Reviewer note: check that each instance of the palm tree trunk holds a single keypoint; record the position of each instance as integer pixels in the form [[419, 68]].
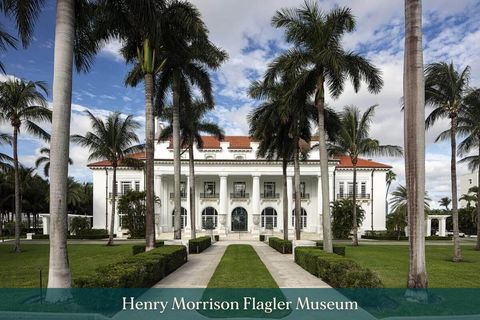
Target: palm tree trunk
[[177, 225], [192, 191], [114, 200], [477, 247], [355, 226], [18, 209], [59, 270], [149, 164], [322, 147], [298, 203], [414, 130], [457, 254], [285, 200]]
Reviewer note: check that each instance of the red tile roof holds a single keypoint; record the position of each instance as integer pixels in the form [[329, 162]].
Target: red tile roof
[[106, 163], [239, 142], [346, 162]]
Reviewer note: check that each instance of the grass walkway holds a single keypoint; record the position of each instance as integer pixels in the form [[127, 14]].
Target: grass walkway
[[241, 267], [391, 264], [21, 270]]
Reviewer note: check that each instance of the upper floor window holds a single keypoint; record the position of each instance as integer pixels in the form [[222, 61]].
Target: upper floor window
[[363, 188], [302, 189], [183, 189], [239, 188], [341, 189], [126, 186], [209, 157], [269, 189], [239, 157], [137, 185], [209, 187]]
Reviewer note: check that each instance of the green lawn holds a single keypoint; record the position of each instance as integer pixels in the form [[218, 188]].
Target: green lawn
[[21, 270], [391, 264], [241, 267]]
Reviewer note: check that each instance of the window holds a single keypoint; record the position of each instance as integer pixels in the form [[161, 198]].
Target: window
[[239, 157], [126, 186], [269, 218], [239, 189], [303, 218], [302, 189], [350, 189], [183, 217], [209, 187], [269, 189], [137, 185], [209, 157], [183, 189], [341, 189], [209, 217], [363, 189]]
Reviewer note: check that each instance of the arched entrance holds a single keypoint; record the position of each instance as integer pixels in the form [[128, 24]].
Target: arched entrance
[[239, 219], [183, 217], [269, 218]]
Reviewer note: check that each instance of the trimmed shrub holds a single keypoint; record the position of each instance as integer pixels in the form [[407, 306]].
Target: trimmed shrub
[[199, 244], [136, 249], [336, 270], [262, 237], [140, 271], [282, 246], [438, 238], [97, 236], [340, 250]]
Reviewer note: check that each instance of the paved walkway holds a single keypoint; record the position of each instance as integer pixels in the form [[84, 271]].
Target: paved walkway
[[198, 270], [196, 273]]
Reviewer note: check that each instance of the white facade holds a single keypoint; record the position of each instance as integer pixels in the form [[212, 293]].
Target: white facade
[[239, 192]]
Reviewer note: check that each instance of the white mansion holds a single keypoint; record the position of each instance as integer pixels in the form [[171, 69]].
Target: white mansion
[[239, 192]]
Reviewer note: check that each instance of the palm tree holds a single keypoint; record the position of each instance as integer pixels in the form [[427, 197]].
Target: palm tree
[[192, 124], [113, 139], [414, 99], [468, 198], [390, 176], [445, 91], [24, 14], [399, 201], [319, 56], [469, 126], [74, 42], [44, 160], [353, 140], [22, 103], [187, 58], [445, 202]]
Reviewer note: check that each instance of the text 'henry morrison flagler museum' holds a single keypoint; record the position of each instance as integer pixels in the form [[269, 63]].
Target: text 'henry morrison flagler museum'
[[239, 192]]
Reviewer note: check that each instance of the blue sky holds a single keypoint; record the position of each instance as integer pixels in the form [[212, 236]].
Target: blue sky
[[242, 28]]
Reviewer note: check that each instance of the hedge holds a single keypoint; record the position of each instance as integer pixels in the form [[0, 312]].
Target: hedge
[[340, 250], [136, 249], [337, 271], [78, 237], [199, 244], [282, 246], [140, 271], [401, 238]]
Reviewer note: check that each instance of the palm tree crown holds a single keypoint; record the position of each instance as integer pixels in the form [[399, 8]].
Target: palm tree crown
[[44, 160]]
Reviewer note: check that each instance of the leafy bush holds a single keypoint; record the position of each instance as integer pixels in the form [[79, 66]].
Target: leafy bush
[[342, 213], [340, 250], [282, 246], [141, 248], [140, 271], [383, 235], [132, 206], [337, 271], [9, 228], [197, 245], [79, 225]]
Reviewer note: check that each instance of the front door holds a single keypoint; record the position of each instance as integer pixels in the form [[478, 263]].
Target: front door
[[239, 219]]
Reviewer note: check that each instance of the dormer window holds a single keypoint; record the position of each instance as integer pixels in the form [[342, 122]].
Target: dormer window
[[209, 157], [239, 157]]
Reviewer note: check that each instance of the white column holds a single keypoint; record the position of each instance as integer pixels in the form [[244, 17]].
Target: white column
[[429, 226], [442, 226], [165, 215], [188, 228], [290, 201], [223, 201], [255, 204], [319, 204]]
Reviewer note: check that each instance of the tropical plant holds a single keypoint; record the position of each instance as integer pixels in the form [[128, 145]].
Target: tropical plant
[[399, 201], [44, 160], [390, 176], [396, 223], [414, 128], [74, 44], [5, 160], [113, 139], [22, 104], [79, 225], [343, 215], [353, 140], [24, 14], [192, 125], [445, 91], [445, 202], [131, 206], [187, 54], [319, 57], [469, 126]]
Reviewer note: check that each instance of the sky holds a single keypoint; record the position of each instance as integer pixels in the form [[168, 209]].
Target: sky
[[243, 29]]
